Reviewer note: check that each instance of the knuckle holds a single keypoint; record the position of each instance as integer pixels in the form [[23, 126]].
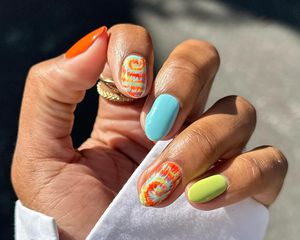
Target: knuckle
[[170, 79], [279, 161], [141, 31], [212, 53], [247, 106], [137, 31], [124, 26], [251, 170], [207, 48], [35, 71], [206, 139], [41, 72], [125, 37], [183, 65], [244, 107], [266, 168], [38, 76], [41, 76], [256, 171], [185, 60]]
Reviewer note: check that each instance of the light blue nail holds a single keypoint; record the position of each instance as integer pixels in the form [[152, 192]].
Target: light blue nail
[[161, 117]]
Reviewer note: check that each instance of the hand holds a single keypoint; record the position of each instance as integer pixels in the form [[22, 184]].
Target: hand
[[75, 186]]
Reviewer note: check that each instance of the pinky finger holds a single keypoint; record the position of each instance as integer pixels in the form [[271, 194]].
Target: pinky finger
[[259, 174]]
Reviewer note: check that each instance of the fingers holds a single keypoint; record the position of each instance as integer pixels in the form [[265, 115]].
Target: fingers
[[118, 125], [225, 128], [53, 89], [181, 89], [259, 173], [130, 59]]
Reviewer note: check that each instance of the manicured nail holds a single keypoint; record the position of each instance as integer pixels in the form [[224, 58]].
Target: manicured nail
[[84, 43], [160, 184], [133, 75], [161, 117], [207, 189]]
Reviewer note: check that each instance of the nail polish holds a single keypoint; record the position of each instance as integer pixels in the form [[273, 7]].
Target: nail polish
[[133, 75], [207, 189], [160, 184], [84, 43], [161, 117]]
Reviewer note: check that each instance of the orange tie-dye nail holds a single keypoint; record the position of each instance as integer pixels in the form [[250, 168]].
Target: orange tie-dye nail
[[160, 184], [133, 75]]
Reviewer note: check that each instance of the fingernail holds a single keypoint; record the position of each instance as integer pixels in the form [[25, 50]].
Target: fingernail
[[133, 75], [207, 189], [161, 117], [84, 43], [160, 184]]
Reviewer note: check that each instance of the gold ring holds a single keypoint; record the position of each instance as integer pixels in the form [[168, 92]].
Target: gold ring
[[108, 90]]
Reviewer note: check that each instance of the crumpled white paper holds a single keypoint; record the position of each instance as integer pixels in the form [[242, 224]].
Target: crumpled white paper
[[127, 219]]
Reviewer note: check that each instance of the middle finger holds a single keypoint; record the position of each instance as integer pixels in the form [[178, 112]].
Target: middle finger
[[180, 89]]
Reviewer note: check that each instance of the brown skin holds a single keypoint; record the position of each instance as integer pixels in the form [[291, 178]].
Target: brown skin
[[75, 186]]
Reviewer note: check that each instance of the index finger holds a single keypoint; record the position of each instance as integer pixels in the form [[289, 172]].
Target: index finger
[[130, 60]]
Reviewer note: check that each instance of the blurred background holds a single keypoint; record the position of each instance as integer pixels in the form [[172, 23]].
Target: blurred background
[[259, 45]]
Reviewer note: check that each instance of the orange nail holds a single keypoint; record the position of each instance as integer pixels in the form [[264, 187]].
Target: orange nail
[[84, 43]]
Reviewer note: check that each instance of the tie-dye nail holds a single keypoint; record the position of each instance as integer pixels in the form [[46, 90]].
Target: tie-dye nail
[[160, 184], [133, 75]]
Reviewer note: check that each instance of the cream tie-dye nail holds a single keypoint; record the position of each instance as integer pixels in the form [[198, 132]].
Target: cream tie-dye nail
[[133, 75], [160, 184]]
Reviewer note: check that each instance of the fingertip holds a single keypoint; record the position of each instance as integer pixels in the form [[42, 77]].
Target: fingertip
[[214, 203], [161, 117], [207, 189], [130, 56], [85, 42], [84, 62]]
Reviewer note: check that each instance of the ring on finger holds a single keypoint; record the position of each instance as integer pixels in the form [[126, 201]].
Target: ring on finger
[[108, 90]]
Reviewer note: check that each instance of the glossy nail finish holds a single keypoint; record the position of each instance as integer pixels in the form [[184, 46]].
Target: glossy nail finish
[[160, 184], [133, 75], [161, 117], [84, 43], [207, 189]]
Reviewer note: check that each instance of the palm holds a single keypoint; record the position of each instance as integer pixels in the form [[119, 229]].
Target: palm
[[86, 186]]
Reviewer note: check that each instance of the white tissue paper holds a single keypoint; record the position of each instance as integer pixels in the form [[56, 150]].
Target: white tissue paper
[[127, 219]]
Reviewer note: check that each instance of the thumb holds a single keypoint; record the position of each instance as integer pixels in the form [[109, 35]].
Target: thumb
[[54, 87]]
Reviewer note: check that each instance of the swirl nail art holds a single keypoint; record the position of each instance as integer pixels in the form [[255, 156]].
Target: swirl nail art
[[160, 184], [133, 75]]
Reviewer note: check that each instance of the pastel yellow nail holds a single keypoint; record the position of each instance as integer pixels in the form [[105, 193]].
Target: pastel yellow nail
[[207, 189]]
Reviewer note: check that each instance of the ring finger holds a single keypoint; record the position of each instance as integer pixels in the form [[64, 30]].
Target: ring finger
[[222, 131]]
